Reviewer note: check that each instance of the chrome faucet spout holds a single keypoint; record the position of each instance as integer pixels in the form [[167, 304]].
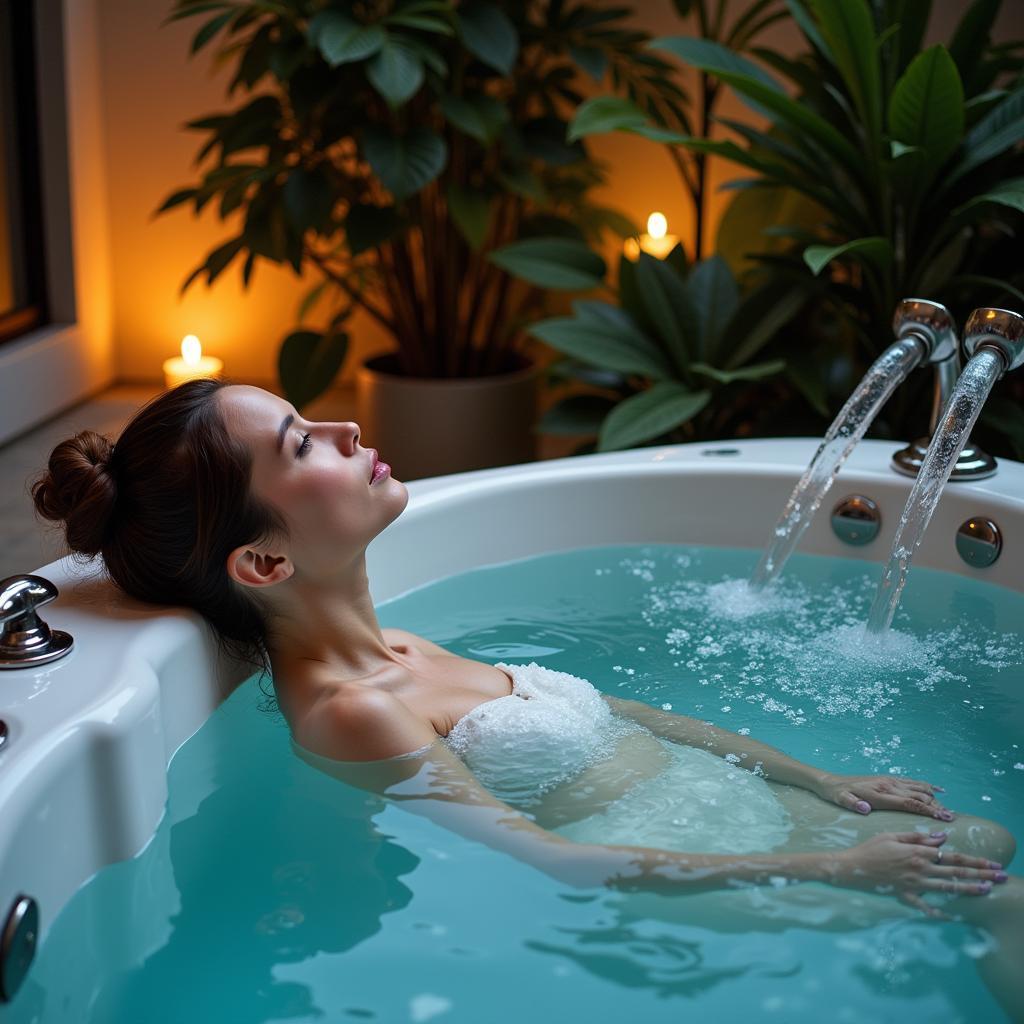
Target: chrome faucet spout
[[933, 325], [1001, 329]]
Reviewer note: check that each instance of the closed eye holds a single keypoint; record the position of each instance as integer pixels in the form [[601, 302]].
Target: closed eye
[[304, 447]]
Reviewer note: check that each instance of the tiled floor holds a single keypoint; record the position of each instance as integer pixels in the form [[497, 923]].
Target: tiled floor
[[27, 542]]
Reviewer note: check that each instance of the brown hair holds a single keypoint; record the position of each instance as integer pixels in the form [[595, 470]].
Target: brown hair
[[165, 506]]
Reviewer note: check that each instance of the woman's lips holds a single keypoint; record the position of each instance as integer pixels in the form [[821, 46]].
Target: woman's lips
[[380, 470]]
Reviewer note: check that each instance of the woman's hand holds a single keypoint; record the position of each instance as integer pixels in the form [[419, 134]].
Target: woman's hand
[[866, 793], [909, 863]]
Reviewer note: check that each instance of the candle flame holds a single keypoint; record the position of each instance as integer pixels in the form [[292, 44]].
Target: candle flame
[[191, 350], [657, 225]]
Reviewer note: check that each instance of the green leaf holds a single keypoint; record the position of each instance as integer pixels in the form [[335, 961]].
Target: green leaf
[[523, 182], [1006, 193], [591, 59], [807, 371], [405, 164], [420, 21], [577, 414], [759, 317], [396, 72], [176, 198], [972, 37], [997, 131], [368, 226], [481, 117], [210, 29], [551, 263], [926, 108], [754, 371], [661, 408], [489, 34], [709, 55], [605, 114], [771, 100], [714, 296], [310, 299], [471, 212], [342, 40], [308, 198], [605, 317], [307, 363], [602, 344], [669, 309], [849, 30], [876, 250]]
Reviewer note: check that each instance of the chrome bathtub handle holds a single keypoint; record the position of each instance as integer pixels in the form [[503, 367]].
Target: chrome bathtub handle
[[25, 639]]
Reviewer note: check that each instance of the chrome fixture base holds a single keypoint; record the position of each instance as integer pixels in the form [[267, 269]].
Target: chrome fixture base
[[856, 520], [17, 945], [971, 464], [979, 541], [25, 639]]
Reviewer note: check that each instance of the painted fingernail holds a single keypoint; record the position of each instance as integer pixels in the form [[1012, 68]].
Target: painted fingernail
[[863, 806], [946, 815], [994, 864], [938, 835], [984, 886], [1001, 876], [938, 789]]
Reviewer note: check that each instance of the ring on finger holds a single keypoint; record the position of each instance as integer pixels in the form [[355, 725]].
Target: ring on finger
[[938, 859]]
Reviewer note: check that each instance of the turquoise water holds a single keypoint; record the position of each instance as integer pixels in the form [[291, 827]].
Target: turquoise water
[[272, 892]]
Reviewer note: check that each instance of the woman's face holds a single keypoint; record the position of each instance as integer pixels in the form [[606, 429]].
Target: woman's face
[[317, 475]]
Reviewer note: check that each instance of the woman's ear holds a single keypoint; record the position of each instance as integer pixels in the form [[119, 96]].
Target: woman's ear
[[254, 568]]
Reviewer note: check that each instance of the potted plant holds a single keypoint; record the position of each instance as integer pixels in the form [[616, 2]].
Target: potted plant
[[390, 150], [892, 172]]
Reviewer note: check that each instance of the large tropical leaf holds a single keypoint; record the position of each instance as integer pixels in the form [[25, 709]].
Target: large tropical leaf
[[489, 34], [603, 345], [551, 263], [661, 408], [876, 251], [307, 363], [405, 163], [668, 306], [341, 39], [714, 295], [849, 30], [926, 109]]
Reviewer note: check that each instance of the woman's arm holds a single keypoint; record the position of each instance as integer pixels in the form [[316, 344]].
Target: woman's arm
[[749, 753], [398, 756], [371, 740]]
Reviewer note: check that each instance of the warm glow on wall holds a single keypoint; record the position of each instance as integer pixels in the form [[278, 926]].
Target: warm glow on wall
[[191, 363]]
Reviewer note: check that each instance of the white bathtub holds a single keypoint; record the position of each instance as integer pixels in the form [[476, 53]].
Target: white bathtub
[[83, 771]]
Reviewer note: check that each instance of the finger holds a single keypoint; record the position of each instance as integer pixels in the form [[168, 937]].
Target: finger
[[853, 802], [913, 900], [963, 860], [956, 886], [926, 839], [919, 791], [945, 870], [916, 806]]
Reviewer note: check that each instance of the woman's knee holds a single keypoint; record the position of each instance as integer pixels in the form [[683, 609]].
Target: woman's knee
[[981, 837]]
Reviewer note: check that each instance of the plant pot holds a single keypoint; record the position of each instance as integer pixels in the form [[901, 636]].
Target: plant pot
[[431, 426]]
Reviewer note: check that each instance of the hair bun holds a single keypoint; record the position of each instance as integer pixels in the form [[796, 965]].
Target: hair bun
[[79, 490]]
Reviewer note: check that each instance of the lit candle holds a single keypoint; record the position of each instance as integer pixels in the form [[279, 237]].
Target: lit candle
[[191, 363], [656, 241]]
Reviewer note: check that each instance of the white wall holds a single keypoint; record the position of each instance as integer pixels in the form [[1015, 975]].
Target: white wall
[[49, 369]]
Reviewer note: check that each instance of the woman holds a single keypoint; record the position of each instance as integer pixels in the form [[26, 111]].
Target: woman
[[220, 497]]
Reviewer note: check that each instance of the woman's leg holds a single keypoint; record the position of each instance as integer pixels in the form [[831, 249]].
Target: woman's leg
[[821, 826]]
